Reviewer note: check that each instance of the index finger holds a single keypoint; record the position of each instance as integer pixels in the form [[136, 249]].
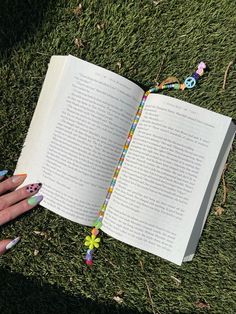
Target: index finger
[[12, 183]]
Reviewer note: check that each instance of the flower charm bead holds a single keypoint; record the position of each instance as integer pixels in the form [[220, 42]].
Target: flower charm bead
[[92, 242]]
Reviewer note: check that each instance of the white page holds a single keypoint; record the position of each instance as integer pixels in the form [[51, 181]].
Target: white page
[[34, 146], [210, 193], [164, 176], [83, 134]]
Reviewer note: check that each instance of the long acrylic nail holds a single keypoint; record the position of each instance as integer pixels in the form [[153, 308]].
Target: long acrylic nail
[[33, 188], [12, 243], [3, 173], [17, 178], [34, 200]]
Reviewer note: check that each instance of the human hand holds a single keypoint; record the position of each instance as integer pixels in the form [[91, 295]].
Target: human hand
[[14, 203]]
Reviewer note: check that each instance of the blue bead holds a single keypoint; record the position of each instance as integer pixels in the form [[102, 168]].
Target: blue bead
[[88, 257], [190, 82], [196, 76]]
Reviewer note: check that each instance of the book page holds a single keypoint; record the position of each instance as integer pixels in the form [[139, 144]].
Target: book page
[[210, 193], [77, 135], [164, 176]]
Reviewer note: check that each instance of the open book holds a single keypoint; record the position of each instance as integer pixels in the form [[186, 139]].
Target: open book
[[170, 172]]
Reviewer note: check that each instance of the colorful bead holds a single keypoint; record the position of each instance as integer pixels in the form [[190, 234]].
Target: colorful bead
[[190, 82], [92, 241], [201, 66], [89, 262], [95, 231], [88, 257], [196, 76], [171, 83], [98, 225], [90, 251]]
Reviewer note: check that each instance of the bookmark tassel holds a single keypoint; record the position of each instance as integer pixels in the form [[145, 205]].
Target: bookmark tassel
[[170, 83]]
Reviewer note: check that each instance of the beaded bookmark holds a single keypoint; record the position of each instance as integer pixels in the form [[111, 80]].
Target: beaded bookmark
[[93, 241]]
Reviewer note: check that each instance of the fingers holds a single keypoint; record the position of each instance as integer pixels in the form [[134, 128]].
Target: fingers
[[13, 204], [14, 211], [13, 197], [12, 183], [3, 245], [7, 244]]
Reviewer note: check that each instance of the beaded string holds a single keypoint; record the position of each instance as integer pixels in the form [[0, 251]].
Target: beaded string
[[93, 241]]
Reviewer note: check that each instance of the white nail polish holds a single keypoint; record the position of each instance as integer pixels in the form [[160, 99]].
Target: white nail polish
[[17, 178], [12, 243]]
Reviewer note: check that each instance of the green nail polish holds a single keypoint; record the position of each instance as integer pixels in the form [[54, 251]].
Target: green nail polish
[[34, 200]]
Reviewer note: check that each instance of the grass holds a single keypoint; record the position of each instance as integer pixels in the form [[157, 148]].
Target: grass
[[46, 273]]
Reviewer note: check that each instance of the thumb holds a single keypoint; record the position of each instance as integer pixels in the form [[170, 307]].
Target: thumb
[[7, 244]]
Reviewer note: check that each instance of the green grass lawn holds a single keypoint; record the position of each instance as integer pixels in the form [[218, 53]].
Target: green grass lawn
[[46, 273]]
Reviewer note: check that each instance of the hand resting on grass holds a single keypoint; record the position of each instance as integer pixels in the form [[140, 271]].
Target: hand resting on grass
[[15, 202]]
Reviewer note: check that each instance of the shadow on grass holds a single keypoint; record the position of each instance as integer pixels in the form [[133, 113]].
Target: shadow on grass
[[18, 19], [28, 296]]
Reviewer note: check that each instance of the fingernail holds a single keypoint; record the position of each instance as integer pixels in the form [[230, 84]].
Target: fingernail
[[3, 173], [12, 243], [33, 188], [17, 178], [34, 200]]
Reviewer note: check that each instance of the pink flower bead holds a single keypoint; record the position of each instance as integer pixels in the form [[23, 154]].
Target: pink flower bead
[[202, 66]]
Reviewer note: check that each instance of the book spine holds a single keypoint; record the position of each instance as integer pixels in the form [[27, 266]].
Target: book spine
[[168, 84], [98, 222]]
